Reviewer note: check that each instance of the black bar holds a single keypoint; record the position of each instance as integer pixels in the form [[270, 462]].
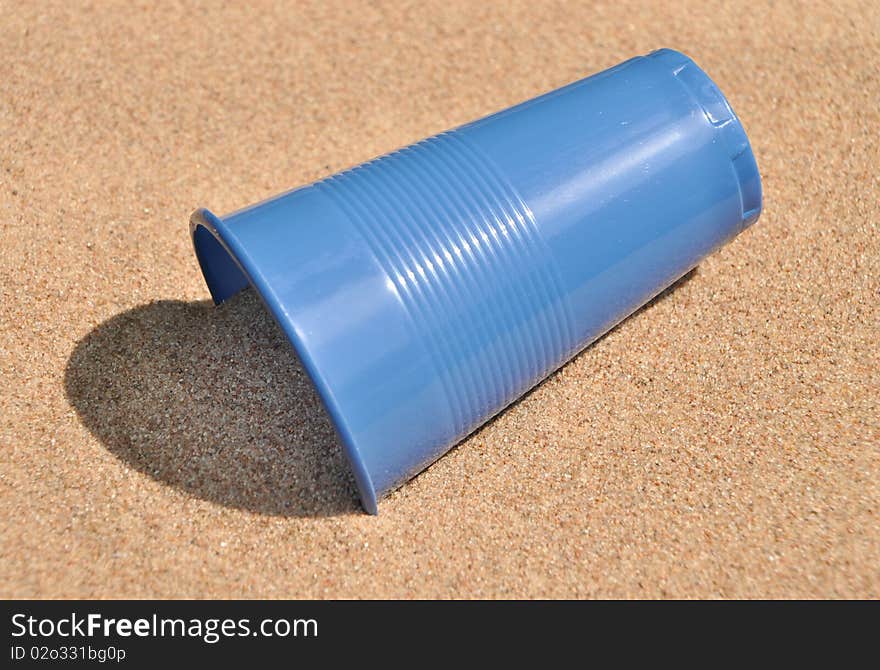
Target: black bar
[[137, 632]]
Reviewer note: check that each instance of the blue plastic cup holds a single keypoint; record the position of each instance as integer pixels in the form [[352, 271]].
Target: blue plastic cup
[[426, 290]]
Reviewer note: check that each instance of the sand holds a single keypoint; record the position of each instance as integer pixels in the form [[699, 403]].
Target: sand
[[723, 442]]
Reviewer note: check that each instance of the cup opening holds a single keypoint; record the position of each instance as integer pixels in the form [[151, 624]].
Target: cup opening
[[228, 269]]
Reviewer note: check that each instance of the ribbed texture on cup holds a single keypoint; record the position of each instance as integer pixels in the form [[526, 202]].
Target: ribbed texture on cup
[[464, 254]]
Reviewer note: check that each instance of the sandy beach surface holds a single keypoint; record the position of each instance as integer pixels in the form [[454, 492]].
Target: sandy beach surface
[[723, 442]]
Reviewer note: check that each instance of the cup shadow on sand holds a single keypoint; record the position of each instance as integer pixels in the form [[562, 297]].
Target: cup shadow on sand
[[214, 401]]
